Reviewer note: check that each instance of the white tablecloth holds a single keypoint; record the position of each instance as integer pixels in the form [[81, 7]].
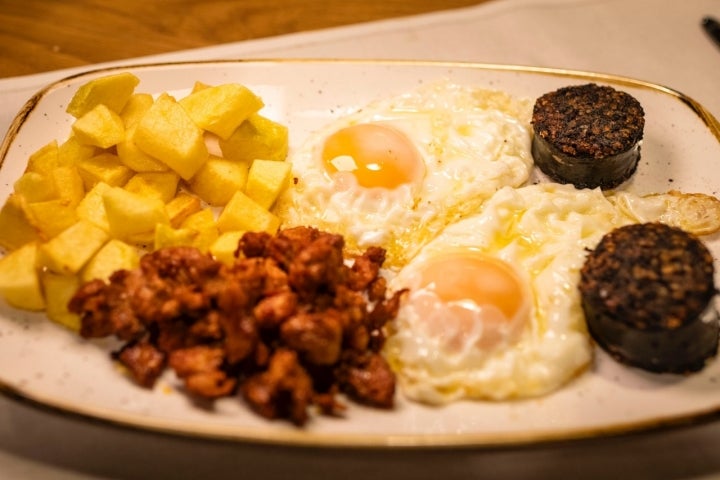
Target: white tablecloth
[[655, 40]]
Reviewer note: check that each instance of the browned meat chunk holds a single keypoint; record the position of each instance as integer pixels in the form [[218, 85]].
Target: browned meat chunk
[[271, 311], [253, 244], [172, 284], [368, 379], [319, 266], [105, 310], [201, 369], [283, 390], [366, 268], [241, 337], [316, 336], [145, 362], [288, 323]]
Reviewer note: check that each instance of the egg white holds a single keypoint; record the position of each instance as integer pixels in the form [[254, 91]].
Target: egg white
[[472, 142], [543, 231]]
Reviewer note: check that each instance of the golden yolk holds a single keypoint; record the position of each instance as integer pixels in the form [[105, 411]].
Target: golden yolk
[[377, 155], [473, 276]]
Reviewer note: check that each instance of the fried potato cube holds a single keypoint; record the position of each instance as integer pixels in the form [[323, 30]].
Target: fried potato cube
[[113, 256], [113, 91], [59, 289], [19, 281], [44, 160], [35, 187], [69, 185], [135, 108], [16, 229], [167, 133], [131, 215], [51, 217], [136, 159], [127, 150], [203, 223], [266, 180], [222, 108], [256, 137], [72, 151], [92, 207], [61, 183], [162, 185], [105, 168], [70, 250], [218, 180], [100, 127], [181, 207], [243, 213], [223, 249], [167, 236]]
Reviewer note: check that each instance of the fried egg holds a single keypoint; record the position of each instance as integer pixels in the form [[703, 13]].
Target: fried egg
[[493, 310], [397, 171]]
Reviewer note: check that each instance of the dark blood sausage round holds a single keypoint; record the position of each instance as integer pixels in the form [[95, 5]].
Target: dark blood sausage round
[[587, 135], [647, 293]]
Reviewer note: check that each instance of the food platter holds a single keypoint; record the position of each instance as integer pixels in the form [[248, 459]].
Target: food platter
[[51, 367]]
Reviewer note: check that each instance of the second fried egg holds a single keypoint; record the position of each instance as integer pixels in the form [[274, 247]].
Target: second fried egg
[[493, 310], [396, 172]]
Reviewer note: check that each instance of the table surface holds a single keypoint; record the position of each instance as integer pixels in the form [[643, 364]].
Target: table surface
[[39, 36]]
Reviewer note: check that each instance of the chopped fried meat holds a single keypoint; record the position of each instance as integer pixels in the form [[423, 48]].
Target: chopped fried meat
[[201, 368], [316, 336], [386, 310], [355, 317], [377, 289], [276, 280], [144, 361], [173, 283], [366, 268], [328, 403], [241, 337], [273, 310], [368, 379], [288, 243], [208, 327], [319, 266], [211, 384], [283, 390], [383, 312], [288, 323], [239, 286], [172, 336], [253, 244], [106, 310], [192, 360]]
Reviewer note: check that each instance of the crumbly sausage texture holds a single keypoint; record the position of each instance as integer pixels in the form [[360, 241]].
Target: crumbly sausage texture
[[587, 135], [646, 292], [589, 120], [288, 325]]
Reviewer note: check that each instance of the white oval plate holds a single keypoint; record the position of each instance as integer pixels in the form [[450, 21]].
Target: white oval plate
[[51, 367]]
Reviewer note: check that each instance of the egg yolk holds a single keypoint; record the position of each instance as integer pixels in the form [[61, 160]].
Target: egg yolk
[[377, 155], [476, 277], [474, 287]]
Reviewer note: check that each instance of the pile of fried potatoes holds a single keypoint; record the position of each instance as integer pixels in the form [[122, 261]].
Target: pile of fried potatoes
[[137, 173]]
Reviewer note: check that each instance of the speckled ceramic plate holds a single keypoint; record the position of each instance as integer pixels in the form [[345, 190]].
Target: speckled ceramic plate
[[48, 366]]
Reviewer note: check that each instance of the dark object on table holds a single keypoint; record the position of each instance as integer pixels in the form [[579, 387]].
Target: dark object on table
[[712, 28]]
